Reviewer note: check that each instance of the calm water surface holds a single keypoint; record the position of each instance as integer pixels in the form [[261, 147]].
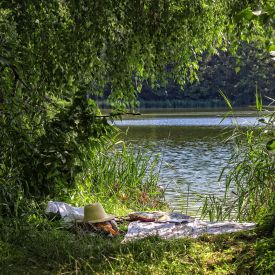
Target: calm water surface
[[193, 154], [188, 121]]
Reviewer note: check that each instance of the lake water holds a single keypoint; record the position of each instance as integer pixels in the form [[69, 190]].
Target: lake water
[[193, 153]]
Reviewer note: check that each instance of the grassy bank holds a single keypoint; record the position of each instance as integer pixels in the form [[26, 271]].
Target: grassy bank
[[48, 249], [122, 179]]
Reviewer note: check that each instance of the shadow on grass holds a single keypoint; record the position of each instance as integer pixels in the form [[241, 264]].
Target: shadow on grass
[[53, 251]]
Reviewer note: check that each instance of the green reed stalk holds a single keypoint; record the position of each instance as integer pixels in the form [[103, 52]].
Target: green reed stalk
[[250, 183], [119, 174]]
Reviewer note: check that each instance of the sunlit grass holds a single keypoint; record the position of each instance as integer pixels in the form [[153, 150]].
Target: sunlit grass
[[122, 178], [56, 251]]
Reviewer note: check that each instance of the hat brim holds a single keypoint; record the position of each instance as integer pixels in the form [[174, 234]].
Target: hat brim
[[105, 219]]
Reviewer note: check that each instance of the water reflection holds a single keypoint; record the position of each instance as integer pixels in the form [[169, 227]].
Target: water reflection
[[192, 159], [188, 121]]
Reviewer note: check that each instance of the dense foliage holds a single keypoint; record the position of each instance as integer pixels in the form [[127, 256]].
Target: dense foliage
[[53, 53], [53, 56], [237, 76]]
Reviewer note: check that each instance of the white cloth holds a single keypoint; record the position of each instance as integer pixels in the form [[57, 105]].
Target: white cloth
[[167, 230], [139, 230], [66, 211]]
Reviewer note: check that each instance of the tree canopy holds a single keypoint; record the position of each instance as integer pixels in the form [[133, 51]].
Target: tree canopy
[[59, 47], [54, 54]]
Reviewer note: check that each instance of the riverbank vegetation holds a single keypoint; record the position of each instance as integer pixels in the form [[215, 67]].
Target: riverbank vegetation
[[56, 144], [250, 178], [49, 123], [109, 168]]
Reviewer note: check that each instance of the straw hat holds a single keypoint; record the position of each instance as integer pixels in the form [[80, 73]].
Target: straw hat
[[94, 213]]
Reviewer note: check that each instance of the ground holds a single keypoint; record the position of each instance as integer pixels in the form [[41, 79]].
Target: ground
[[49, 249]]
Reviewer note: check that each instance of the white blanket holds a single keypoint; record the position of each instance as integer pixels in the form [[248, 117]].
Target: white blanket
[[139, 230], [166, 230]]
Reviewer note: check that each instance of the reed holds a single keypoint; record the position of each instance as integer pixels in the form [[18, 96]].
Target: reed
[[250, 182], [120, 177]]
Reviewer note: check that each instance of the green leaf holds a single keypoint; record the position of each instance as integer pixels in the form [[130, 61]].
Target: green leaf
[[226, 99], [237, 70], [244, 14], [259, 102], [271, 145], [4, 61]]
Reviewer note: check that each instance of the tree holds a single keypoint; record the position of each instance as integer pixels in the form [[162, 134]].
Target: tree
[[53, 53]]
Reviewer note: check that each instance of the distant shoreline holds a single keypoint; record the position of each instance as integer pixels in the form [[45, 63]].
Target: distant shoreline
[[193, 112]]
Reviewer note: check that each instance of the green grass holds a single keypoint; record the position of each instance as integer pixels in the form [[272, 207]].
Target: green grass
[[122, 178], [48, 249]]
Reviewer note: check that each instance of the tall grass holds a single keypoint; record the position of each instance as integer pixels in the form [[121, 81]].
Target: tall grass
[[123, 178], [120, 177], [250, 183]]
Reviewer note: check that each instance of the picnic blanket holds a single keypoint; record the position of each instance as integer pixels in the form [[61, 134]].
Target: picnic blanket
[[166, 225], [193, 229]]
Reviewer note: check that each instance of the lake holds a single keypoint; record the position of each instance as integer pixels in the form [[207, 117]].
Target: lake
[[193, 153]]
